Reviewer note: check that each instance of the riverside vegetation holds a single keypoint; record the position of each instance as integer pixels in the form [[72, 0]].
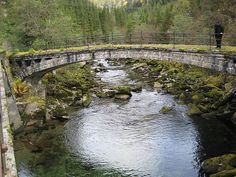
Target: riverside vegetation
[[207, 93]]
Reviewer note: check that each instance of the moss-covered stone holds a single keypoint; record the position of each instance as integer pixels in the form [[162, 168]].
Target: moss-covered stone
[[193, 110], [218, 164], [123, 90], [106, 93], [157, 86], [225, 173], [166, 109], [217, 81], [86, 100], [197, 98], [123, 96], [228, 86]]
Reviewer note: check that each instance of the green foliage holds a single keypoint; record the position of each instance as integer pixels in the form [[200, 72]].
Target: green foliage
[[42, 24], [19, 87]]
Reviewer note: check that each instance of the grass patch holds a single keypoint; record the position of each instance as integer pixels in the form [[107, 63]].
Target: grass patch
[[128, 46]]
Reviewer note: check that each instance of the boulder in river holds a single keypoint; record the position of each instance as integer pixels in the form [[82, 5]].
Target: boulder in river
[[219, 166], [123, 90], [106, 93], [123, 96], [166, 109], [157, 86], [136, 88], [193, 110]]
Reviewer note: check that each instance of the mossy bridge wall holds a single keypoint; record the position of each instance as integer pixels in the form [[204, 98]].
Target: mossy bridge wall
[[27, 65]]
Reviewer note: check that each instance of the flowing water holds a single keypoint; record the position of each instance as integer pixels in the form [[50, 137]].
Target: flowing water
[[131, 138]]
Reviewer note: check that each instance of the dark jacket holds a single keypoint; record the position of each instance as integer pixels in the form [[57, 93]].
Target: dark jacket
[[219, 29]]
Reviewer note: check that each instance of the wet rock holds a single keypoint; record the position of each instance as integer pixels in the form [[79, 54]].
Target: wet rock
[[166, 109], [82, 63], [123, 96], [58, 112], [86, 100], [100, 69], [225, 98], [136, 88], [182, 96], [214, 93], [219, 164], [32, 108], [197, 98], [139, 65], [204, 107], [208, 87], [106, 93], [233, 119], [225, 173], [210, 115], [157, 86], [228, 86], [123, 90], [217, 81], [193, 110]]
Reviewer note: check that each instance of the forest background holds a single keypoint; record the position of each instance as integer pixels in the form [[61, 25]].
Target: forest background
[[28, 24]]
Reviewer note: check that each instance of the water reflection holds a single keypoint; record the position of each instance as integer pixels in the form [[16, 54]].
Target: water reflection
[[135, 138]]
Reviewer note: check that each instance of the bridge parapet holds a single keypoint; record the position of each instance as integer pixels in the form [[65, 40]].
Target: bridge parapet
[[8, 158]]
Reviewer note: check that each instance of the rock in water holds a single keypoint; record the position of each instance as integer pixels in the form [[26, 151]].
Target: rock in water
[[166, 109], [158, 86], [193, 110], [123, 96], [220, 164]]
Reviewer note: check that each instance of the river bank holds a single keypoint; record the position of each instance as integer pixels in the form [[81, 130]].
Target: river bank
[[78, 84]]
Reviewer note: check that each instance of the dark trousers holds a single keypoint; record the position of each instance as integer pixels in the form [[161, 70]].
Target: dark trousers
[[218, 40]]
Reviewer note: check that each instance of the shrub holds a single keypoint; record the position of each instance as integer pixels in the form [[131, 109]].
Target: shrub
[[19, 87]]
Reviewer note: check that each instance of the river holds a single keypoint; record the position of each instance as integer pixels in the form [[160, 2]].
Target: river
[[131, 138]]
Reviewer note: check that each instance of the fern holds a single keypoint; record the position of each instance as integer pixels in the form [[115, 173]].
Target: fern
[[20, 88]]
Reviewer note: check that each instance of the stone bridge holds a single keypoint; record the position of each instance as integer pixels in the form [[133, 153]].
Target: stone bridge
[[34, 66], [28, 65]]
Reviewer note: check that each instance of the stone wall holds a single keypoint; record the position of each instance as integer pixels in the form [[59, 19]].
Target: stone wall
[[8, 157], [27, 65]]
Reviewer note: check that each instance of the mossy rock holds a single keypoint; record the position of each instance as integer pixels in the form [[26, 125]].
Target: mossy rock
[[204, 107], [156, 69], [106, 93], [136, 88], [123, 90], [157, 86], [225, 173], [210, 115], [228, 87], [193, 110], [139, 65], [172, 71], [208, 87], [215, 94], [217, 81], [123, 96], [166, 109], [197, 98], [86, 100], [218, 164], [59, 112]]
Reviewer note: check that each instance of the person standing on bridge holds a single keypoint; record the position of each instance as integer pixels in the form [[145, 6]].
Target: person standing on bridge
[[219, 30]]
